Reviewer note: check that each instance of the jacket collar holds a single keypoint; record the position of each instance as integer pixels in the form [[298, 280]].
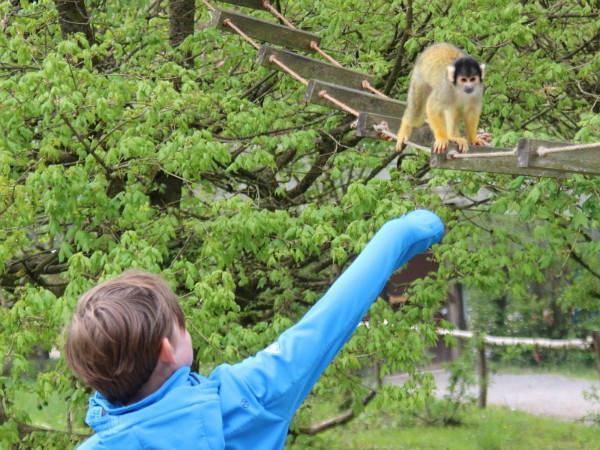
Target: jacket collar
[[103, 415]]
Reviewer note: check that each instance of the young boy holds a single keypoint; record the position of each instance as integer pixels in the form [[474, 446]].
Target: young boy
[[128, 341]]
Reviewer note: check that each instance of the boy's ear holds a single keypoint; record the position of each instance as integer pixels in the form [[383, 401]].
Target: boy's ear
[[166, 355]]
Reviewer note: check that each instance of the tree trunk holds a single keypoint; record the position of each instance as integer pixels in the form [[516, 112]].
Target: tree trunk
[[596, 336], [73, 18], [181, 25]]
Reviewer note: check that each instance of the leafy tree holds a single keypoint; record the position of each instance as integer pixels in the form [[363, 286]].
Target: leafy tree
[[135, 135]]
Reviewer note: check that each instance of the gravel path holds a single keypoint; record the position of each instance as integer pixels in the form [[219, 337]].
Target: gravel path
[[543, 395]]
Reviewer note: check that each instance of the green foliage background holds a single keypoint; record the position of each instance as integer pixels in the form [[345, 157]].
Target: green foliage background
[[191, 160]]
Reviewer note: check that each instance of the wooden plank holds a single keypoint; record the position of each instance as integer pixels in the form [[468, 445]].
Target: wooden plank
[[356, 99], [265, 31], [309, 68], [254, 4], [498, 164], [585, 161]]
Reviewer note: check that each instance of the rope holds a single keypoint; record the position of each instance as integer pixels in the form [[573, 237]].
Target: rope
[[209, 6], [241, 33], [453, 154], [419, 146], [324, 94], [276, 13], [366, 85], [317, 49], [273, 59], [382, 128], [543, 151]]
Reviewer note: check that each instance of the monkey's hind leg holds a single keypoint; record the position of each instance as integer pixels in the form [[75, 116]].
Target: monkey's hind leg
[[437, 123], [414, 115], [471, 125]]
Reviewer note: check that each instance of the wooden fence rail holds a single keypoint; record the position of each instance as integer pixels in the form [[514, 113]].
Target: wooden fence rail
[[591, 343]]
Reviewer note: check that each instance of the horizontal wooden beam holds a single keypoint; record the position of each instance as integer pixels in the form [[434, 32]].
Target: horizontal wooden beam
[[586, 161], [309, 68], [265, 31], [356, 99], [481, 160], [254, 4]]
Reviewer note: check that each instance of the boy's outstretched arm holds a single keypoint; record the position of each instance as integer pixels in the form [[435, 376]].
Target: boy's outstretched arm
[[281, 375]]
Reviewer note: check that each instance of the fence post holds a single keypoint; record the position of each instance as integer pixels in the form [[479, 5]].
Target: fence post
[[596, 336], [483, 375]]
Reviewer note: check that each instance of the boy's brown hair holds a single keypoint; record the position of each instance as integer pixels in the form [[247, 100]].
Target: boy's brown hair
[[114, 339]]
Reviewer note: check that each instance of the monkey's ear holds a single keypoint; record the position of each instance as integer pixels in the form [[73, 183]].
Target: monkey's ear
[[482, 67], [451, 72]]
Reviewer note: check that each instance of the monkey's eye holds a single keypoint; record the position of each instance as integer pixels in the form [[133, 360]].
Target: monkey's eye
[[463, 80], [473, 79]]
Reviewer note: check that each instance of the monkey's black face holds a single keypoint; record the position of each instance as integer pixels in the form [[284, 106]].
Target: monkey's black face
[[467, 68], [468, 75]]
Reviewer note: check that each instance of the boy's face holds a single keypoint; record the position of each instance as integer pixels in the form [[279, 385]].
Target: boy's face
[[182, 347]]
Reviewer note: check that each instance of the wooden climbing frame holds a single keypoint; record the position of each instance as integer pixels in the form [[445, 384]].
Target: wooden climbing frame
[[378, 116]]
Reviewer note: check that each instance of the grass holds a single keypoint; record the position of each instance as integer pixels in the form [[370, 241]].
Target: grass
[[490, 429]]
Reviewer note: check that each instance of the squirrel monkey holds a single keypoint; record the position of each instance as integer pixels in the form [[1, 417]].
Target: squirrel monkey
[[444, 83]]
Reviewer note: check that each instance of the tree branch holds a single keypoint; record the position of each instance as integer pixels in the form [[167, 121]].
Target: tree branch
[[583, 264], [339, 420], [400, 58], [325, 149]]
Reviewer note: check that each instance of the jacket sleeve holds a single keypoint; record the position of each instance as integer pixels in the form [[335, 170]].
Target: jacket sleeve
[[282, 375]]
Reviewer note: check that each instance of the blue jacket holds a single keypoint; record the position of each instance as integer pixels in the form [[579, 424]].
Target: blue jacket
[[249, 405]]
